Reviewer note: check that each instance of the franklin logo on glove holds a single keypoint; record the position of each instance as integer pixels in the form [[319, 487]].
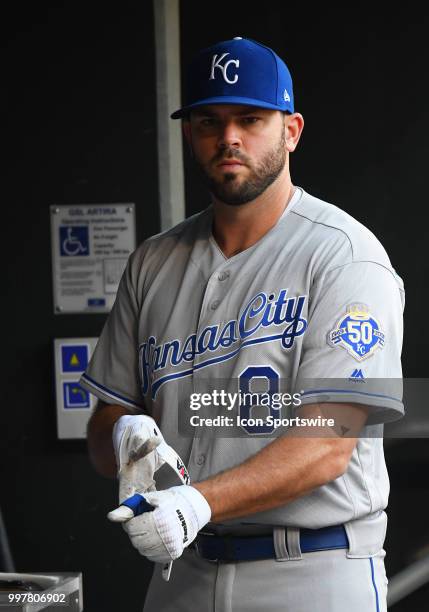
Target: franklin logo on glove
[[160, 524], [185, 528]]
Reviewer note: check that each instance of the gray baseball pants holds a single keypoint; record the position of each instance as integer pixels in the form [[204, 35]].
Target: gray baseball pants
[[322, 581]]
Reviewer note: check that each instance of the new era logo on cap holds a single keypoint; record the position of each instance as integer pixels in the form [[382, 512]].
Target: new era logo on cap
[[238, 71]]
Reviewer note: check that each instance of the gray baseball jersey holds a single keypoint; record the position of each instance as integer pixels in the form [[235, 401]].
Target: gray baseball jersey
[[315, 298]]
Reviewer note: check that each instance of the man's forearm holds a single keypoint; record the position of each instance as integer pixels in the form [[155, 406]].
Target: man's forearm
[[99, 435], [283, 471], [288, 468]]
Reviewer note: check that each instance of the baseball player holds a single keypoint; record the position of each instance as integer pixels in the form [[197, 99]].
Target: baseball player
[[267, 285]]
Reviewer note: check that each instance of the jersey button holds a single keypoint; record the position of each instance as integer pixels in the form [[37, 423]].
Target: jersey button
[[215, 304], [200, 460], [224, 275]]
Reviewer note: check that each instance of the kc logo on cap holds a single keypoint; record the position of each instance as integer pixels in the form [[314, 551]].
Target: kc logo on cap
[[237, 71], [216, 63]]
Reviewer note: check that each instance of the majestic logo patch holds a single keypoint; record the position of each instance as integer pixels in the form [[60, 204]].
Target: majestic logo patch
[[357, 375], [358, 332]]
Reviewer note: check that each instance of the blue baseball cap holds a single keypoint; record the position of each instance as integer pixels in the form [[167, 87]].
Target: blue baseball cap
[[238, 71]]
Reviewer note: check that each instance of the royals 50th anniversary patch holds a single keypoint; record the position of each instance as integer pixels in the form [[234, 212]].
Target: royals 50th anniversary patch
[[358, 332]]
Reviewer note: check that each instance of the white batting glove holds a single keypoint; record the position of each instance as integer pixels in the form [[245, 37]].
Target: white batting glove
[[162, 535], [134, 439]]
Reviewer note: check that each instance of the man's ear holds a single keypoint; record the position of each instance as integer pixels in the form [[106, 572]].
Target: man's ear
[[295, 125]]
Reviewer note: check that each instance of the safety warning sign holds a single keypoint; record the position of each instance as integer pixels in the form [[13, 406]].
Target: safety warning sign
[[74, 358], [90, 248], [74, 403]]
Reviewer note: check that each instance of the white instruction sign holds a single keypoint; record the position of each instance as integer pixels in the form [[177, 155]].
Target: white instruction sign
[[74, 404], [91, 244]]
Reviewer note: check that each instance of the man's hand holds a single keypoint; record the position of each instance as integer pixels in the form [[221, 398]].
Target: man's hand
[[99, 437], [161, 535], [134, 439]]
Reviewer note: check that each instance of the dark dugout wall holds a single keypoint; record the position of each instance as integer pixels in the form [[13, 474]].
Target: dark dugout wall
[[80, 128]]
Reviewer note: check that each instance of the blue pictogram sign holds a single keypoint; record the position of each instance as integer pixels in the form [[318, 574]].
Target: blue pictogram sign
[[74, 240], [75, 396], [74, 358]]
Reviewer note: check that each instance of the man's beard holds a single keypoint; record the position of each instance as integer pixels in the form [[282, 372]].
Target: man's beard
[[230, 190]]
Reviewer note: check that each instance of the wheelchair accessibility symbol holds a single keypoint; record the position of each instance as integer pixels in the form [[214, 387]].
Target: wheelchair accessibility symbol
[[74, 240]]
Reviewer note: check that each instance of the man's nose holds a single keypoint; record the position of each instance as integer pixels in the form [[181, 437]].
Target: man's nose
[[229, 135]]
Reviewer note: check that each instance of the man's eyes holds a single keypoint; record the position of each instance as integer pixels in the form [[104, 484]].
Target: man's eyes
[[250, 119], [207, 121], [212, 121]]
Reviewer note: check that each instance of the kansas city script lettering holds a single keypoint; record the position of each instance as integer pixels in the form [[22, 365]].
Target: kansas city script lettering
[[262, 311]]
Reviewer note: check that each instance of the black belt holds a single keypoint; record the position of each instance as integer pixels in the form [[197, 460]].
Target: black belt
[[232, 548]]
